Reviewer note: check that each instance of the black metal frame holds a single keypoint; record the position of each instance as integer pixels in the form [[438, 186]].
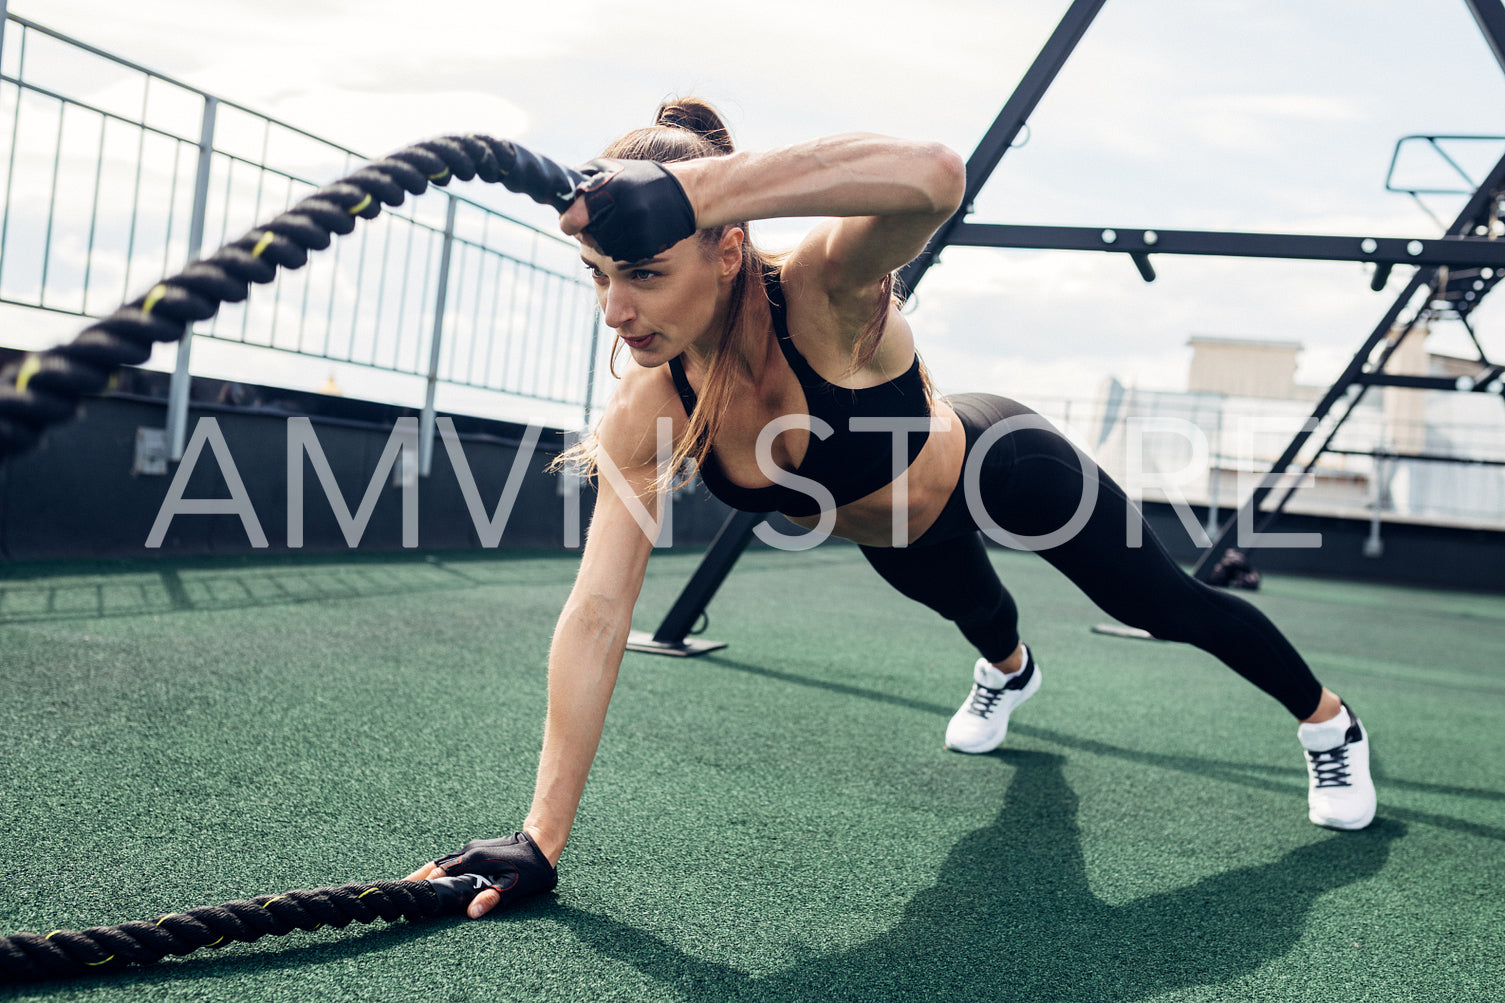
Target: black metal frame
[[999, 138], [1460, 269], [1453, 252], [1362, 373]]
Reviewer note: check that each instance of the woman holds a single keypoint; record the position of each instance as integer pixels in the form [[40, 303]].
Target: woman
[[727, 343]]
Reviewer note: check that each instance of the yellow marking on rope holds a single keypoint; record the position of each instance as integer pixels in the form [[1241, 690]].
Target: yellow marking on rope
[[265, 242], [153, 298], [216, 943], [436, 177], [167, 917], [30, 366], [269, 901], [360, 206], [89, 963], [368, 891]]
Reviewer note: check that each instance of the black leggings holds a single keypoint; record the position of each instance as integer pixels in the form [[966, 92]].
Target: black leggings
[[1031, 481]]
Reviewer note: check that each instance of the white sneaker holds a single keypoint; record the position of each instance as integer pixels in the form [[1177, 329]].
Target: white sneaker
[[983, 721], [1340, 793]]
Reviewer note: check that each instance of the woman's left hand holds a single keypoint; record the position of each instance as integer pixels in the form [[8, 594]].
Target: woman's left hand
[[633, 209]]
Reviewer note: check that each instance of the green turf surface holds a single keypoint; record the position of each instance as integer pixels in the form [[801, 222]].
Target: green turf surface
[[775, 822]]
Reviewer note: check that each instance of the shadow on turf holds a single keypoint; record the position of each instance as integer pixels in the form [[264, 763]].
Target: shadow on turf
[[1245, 774], [1011, 916]]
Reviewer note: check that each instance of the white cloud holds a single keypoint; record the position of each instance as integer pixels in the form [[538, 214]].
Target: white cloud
[[1254, 123], [378, 123]]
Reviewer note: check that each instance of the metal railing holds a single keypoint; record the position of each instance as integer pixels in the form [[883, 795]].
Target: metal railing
[[1443, 463], [116, 175]]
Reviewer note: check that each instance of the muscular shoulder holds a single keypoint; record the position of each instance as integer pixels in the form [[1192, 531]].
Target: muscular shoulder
[[629, 430]]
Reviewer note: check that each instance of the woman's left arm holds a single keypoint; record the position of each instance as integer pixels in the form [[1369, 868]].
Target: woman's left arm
[[888, 197]]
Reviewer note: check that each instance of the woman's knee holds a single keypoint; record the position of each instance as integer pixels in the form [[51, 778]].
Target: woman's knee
[[1189, 611], [977, 610]]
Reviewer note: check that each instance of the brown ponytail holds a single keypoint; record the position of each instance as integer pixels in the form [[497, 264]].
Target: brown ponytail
[[696, 116], [682, 129]]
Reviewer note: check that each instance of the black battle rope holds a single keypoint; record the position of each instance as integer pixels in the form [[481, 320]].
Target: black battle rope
[[44, 388], [107, 948]]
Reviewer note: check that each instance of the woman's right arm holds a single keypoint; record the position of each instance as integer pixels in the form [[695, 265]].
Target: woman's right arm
[[591, 634], [586, 653]]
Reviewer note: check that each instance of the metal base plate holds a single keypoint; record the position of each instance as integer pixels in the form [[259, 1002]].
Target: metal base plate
[[641, 640], [1119, 630]]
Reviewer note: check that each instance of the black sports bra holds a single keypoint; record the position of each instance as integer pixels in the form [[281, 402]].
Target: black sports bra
[[851, 465]]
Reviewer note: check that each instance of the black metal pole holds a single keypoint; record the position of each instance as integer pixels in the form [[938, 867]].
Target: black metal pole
[[1490, 16], [1245, 514], [672, 636], [1005, 128], [1364, 382]]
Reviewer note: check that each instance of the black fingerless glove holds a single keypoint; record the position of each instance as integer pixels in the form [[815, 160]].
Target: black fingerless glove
[[637, 208], [513, 865]]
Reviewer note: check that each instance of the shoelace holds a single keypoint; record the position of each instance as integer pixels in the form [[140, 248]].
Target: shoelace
[[1331, 767], [983, 700]]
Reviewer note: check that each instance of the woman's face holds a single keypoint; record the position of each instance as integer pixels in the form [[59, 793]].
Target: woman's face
[[663, 305]]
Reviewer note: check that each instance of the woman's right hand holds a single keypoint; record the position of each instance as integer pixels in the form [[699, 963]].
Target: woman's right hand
[[505, 870]]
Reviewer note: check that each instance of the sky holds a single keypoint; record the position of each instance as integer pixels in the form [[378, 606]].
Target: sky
[[1261, 115]]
